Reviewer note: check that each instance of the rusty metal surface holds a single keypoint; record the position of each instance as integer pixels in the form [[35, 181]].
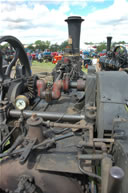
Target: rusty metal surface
[[46, 182], [63, 158], [59, 162]]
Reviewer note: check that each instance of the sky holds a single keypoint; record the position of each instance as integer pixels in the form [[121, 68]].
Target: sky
[[31, 20]]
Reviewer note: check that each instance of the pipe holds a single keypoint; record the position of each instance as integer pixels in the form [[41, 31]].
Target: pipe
[[67, 125], [48, 115], [106, 164], [91, 157], [105, 140], [109, 38], [74, 28], [116, 176], [92, 143]]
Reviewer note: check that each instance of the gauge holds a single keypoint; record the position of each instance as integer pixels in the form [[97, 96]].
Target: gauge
[[21, 102]]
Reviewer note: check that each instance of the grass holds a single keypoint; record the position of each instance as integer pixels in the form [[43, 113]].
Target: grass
[[42, 67], [38, 67]]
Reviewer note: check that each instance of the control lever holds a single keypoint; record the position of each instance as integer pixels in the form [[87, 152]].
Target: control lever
[[27, 151]]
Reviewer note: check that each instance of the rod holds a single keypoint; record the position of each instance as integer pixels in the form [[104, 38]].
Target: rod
[[116, 176], [53, 116], [106, 164], [91, 157]]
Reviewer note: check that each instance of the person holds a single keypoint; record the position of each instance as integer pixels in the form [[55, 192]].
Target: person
[[94, 61], [39, 57], [30, 59]]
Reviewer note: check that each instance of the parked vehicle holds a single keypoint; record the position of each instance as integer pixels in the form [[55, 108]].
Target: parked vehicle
[[54, 54], [103, 53], [87, 53], [47, 57], [56, 58]]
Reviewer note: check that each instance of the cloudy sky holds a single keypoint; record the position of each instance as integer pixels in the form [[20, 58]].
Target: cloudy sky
[[31, 20]]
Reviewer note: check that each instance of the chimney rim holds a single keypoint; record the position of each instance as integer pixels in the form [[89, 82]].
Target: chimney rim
[[70, 18]]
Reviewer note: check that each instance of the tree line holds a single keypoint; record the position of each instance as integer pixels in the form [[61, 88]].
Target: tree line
[[103, 45], [42, 45]]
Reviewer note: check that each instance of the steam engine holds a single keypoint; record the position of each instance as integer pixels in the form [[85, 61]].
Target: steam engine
[[115, 59], [64, 132]]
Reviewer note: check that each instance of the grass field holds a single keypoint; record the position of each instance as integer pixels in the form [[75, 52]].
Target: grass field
[[38, 67], [42, 67]]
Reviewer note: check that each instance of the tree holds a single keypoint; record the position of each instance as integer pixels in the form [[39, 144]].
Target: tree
[[118, 43], [101, 47], [63, 45], [88, 43], [38, 44], [31, 47], [54, 47], [47, 43], [42, 45]]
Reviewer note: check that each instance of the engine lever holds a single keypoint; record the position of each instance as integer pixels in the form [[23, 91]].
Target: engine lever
[[50, 142], [58, 138], [18, 142], [27, 151]]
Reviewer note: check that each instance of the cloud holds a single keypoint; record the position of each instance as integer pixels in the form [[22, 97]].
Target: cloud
[[108, 21], [30, 23], [31, 20]]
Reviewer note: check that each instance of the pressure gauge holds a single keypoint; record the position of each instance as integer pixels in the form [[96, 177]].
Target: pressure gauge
[[21, 102]]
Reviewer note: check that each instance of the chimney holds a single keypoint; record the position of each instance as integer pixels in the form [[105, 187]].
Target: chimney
[[74, 28], [109, 38]]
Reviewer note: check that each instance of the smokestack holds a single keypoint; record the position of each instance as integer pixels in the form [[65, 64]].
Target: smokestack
[[74, 28], [109, 38]]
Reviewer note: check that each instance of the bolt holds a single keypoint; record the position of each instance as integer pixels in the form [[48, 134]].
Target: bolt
[[34, 116]]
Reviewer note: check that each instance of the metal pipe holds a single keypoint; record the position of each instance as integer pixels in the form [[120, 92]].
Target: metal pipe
[[48, 115], [116, 176], [105, 140], [106, 164], [67, 125], [92, 144], [91, 156]]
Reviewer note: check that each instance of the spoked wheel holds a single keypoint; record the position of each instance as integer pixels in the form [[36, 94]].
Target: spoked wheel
[[120, 56], [18, 62]]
